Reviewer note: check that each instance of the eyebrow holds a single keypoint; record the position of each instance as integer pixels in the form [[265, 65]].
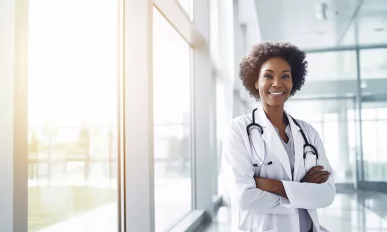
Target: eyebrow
[[269, 70]]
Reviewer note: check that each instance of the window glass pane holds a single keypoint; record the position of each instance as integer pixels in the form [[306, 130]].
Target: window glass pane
[[172, 123], [382, 149], [307, 110], [370, 145], [330, 117], [375, 68], [187, 6], [374, 126], [331, 142], [371, 24], [221, 125], [331, 121], [73, 78], [331, 66], [368, 114], [382, 113]]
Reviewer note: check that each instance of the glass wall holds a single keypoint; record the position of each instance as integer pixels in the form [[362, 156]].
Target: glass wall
[[337, 120], [221, 125], [333, 120], [374, 113], [172, 123], [72, 115], [111, 82], [375, 68], [327, 66], [374, 122], [186, 5]]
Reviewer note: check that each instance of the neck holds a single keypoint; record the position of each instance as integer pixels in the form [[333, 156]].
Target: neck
[[275, 115]]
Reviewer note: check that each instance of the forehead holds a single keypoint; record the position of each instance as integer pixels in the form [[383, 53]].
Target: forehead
[[276, 63]]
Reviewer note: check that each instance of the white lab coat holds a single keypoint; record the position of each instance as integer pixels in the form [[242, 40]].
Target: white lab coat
[[254, 210]]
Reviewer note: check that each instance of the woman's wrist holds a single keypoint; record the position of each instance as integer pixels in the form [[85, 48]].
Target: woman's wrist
[[264, 184], [271, 185]]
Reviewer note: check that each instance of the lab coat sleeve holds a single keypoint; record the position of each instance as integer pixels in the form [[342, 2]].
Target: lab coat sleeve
[[310, 195], [239, 173]]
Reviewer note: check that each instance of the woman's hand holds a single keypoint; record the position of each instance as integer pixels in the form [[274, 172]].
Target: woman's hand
[[316, 175]]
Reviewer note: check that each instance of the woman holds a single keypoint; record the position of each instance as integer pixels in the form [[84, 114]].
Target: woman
[[273, 188]]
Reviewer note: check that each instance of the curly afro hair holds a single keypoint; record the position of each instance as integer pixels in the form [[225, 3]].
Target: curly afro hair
[[260, 53]]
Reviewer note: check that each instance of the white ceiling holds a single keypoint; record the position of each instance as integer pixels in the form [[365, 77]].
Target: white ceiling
[[297, 21], [371, 21]]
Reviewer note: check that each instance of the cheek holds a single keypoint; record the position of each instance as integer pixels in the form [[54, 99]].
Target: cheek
[[262, 90], [290, 85], [262, 85]]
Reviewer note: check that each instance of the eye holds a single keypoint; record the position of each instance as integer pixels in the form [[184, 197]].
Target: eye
[[285, 76], [267, 76]]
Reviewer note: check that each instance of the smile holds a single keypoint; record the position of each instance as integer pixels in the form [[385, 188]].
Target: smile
[[276, 93]]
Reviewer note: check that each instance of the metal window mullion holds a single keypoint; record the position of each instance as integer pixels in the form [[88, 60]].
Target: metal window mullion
[[138, 116], [20, 155], [202, 88], [13, 117]]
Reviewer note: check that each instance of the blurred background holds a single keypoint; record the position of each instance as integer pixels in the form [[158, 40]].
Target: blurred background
[[120, 106]]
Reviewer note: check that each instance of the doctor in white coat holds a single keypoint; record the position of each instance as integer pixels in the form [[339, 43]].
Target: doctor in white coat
[[273, 187]]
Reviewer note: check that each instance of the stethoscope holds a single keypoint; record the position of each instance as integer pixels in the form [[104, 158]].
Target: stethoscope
[[308, 148]]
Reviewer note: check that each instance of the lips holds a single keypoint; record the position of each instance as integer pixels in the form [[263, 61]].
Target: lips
[[277, 93]]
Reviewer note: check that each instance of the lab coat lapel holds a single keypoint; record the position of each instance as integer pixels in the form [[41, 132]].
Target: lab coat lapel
[[298, 149], [273, 141]]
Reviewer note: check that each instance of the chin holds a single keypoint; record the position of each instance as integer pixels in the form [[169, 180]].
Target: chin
[[275, 103]]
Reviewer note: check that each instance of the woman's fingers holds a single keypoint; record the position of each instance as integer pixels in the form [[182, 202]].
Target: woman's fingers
[[318, 176], [314, 170], [323, 178], [319, 173]]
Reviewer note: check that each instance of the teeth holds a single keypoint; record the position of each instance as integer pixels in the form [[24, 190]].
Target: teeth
[[276, 93]]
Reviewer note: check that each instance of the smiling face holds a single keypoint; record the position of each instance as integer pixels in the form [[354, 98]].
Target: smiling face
[[274, 82]]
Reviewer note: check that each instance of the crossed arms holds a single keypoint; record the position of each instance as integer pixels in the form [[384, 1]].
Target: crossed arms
[[269, 196]]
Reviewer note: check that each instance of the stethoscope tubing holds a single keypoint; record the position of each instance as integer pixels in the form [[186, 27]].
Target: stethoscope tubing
[[253, 125]]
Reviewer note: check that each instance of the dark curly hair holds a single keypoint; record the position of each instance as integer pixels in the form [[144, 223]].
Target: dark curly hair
[[260, 53]]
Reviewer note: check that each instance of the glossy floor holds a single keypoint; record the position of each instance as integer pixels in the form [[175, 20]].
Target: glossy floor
[[355, 212]]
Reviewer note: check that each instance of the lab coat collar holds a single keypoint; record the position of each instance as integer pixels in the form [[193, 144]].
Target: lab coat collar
[[261, 119]]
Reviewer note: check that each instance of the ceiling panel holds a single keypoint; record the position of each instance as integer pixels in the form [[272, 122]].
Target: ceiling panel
[[372, 22], [306, 23]]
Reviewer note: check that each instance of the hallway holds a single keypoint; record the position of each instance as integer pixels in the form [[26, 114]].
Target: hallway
[[357, 212]]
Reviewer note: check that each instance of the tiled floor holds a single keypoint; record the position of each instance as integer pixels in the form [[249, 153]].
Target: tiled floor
[[358, 212]]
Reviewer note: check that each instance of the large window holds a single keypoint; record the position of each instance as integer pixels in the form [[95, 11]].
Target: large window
[[172, 123], [333, 120], [221, 125], [374, 124], [187, 6], [375, 68], [73, 92], [328, 66]]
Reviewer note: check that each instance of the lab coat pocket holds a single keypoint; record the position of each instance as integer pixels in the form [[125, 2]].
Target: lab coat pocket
[[271, 230], [323, 229]]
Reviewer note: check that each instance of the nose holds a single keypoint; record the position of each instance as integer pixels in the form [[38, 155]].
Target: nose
[[276, 82]]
